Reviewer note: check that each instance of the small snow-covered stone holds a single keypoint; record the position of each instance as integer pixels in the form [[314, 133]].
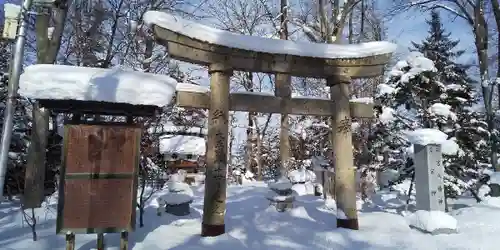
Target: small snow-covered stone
[[433, 222]]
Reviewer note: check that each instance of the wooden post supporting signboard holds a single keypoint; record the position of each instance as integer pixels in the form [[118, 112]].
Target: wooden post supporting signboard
[[70, 241], [124, 240]]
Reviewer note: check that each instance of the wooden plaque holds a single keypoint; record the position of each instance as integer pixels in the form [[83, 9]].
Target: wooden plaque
[[98, 186]]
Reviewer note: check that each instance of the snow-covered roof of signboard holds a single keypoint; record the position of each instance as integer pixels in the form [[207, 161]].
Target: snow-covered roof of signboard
[[116, 85], [182, 145], [266, 45]]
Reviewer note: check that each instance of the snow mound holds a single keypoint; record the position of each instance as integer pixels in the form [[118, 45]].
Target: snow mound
[[434, 222], [176, 199], [267, 45], [63, 82], [179, 187], [304, 189]]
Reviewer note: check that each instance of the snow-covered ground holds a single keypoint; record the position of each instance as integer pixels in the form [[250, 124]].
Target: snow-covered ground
[[252, 224]]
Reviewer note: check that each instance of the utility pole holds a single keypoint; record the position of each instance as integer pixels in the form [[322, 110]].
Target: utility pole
[[15, 74]]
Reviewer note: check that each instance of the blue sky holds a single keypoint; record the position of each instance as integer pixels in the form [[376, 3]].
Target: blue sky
[[404, 28], [411, 26]]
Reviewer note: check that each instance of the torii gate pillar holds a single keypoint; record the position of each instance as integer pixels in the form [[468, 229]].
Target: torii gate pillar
[[341, 138], [214, 204]]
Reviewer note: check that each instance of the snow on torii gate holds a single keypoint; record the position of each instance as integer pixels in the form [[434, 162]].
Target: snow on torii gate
[[223, 52]]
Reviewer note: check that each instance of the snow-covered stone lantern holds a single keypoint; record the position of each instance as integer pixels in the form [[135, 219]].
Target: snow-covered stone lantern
[[183, 148]]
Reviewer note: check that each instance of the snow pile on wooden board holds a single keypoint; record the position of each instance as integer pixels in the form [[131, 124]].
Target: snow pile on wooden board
[[62, 82], [365, 100], [188, 87], [434, 222], [260, 44], [169, 127], [182, 144]]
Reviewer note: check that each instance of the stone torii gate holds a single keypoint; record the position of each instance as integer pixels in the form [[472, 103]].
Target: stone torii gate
[[224, 52]]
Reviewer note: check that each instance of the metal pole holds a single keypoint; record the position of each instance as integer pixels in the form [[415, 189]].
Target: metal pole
[[13, 86]]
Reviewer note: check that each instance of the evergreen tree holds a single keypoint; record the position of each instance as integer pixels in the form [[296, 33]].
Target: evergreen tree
[[440, 48], [14, 181], [431, 90]]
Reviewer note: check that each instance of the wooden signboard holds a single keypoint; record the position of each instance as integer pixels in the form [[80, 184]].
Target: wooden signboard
[[98, 186]]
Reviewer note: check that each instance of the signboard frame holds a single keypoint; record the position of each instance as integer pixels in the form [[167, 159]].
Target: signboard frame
[[94, 177]]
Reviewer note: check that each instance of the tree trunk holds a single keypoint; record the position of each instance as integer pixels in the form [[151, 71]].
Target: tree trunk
[[283, 90], [258, 157], [495, 6], [481, 42], [35, 175], [47, 50]]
